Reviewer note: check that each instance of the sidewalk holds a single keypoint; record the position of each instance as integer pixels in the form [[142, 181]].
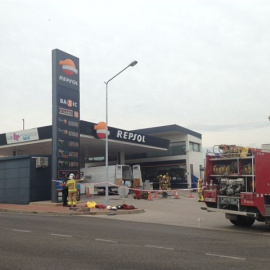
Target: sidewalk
[[48, 207], [182, 211]]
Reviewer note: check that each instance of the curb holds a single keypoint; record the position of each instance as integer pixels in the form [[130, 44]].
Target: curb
[[75, 213]]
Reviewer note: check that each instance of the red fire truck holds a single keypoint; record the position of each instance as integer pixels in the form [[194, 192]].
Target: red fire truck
[[237, 183]]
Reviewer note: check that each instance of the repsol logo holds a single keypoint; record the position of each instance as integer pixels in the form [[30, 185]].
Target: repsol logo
[[68, 80], [129, 136]]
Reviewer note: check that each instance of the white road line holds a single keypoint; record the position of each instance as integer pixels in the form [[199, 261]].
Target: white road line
[[61, 235], [16, 230], [224, 256], [106, 240], [158, 247]]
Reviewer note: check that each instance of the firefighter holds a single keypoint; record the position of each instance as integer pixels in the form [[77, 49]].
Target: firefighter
[[72, 190], [160, 181], [164, 182], [200, 190], [168, 180]]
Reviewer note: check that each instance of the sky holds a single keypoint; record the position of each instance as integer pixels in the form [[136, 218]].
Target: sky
[[203, 65]]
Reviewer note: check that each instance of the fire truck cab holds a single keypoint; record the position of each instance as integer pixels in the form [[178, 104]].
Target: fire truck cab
[[237, 183]]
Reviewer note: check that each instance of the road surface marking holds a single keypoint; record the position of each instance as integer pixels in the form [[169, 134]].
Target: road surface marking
[[158, 247], [16, 230], [224, 256], [61, 235], [106, 240]]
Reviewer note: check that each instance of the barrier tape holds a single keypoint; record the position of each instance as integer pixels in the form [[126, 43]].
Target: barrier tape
[[136, 189]]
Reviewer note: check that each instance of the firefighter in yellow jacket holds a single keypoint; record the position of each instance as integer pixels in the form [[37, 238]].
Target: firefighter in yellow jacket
[[72, 190], [200, 190]]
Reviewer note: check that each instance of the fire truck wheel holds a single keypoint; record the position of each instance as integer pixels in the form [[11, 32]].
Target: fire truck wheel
[[243, 221]]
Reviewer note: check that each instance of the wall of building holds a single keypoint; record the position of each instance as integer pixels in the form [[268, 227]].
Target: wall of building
[[21, 182], [14, 180], [195, 159], [192, 160], [40, 182]]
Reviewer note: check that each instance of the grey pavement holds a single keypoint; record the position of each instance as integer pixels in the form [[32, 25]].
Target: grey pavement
[[184, 211], [181, 210]]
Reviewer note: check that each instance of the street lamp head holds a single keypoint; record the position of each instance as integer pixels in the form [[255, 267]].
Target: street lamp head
[[133, 63]]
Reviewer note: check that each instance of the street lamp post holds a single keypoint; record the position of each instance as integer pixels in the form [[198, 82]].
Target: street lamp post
[[106, 142]]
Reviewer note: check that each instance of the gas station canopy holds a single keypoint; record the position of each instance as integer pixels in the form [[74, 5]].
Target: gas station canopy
[[90, 146]]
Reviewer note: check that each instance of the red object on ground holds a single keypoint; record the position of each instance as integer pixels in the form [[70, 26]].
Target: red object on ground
[[137, 194], [101, 206], [128, 207]]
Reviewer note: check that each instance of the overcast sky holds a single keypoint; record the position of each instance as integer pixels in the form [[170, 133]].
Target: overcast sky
[[203, 65]]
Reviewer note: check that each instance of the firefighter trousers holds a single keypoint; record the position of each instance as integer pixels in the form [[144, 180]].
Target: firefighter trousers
[[72, 198]]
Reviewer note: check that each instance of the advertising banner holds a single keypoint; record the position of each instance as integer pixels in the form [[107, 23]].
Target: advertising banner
[[66, 116], [22, 136]]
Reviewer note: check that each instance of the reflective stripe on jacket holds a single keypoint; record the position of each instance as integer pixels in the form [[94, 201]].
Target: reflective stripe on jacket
[[72, 185]]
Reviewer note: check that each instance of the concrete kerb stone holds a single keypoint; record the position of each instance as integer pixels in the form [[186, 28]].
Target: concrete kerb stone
[[74, 212], [50, 208], [25, 211]]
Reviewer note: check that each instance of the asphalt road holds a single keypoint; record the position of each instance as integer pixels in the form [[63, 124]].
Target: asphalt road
[[50, 242]]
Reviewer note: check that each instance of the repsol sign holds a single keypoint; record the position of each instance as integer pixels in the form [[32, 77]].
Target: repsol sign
[[130, 136], [68, 80]]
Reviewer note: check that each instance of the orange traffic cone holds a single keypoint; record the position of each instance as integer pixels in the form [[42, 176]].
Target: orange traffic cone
[[156, 195], [88, 192], [190, 195], [149, 196], [176, 195]]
